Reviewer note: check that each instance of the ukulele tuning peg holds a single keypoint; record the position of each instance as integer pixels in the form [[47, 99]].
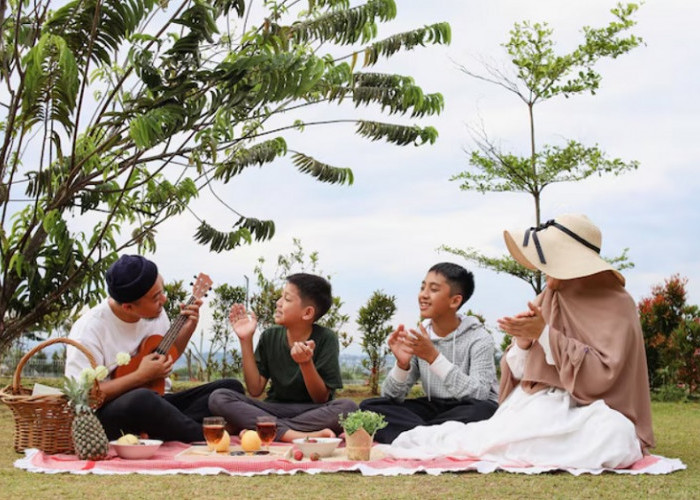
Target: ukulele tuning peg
[[191, 284]]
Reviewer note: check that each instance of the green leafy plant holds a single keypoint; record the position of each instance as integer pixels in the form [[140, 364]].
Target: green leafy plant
[[671, 330], [540, 73], [370, 421], [372, 319], [116, 116]]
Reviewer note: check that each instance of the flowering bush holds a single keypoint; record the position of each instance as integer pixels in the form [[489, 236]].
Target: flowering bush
[[671, 336]]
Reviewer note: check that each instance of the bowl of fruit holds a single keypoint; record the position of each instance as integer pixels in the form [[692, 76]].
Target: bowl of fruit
[[317, 446], [133, 448]]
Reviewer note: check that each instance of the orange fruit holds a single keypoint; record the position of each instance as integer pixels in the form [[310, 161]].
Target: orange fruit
[[250, 441], [223, 443]]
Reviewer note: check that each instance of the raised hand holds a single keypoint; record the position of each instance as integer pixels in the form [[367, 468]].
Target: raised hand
[[399, 349], [243, 322], [303, 352]]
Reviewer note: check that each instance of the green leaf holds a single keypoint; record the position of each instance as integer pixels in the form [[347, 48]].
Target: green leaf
[[322, 171], [397, 134], [439, 33]]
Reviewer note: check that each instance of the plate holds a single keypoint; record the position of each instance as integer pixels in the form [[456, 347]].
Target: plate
[[145, 449]]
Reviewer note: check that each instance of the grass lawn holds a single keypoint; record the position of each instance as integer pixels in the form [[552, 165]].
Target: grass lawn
[[677, 428]]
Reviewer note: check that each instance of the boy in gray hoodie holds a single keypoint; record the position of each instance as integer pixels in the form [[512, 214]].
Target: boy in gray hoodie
[[451, 354]]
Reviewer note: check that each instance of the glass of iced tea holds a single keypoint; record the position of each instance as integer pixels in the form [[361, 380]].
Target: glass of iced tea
[[266, 427], [213, 429]]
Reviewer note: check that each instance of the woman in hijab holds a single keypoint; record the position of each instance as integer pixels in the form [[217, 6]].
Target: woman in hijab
[[574, 389]]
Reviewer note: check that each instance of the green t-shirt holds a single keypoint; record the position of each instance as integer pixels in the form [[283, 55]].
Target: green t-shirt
[[275, 363]]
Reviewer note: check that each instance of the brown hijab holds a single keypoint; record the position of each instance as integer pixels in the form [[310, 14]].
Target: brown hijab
[[598, 350]]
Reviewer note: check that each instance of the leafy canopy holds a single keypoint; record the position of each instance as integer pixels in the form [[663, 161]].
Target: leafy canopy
[[117, 114]]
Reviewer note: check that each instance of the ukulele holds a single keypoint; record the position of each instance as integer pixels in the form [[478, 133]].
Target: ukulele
[[165, 344]]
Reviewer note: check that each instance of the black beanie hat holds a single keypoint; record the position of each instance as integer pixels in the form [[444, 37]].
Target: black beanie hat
[[130, 277]]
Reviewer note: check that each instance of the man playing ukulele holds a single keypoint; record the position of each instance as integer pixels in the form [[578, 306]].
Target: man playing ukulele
[[133, 313]]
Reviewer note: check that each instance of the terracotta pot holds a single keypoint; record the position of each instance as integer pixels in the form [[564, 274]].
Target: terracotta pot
[[358, 445]]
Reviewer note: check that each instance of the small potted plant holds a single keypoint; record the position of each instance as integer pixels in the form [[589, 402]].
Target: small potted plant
[[359, 427]]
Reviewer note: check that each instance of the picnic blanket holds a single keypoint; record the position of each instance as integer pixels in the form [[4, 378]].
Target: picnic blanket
[[180, 458]]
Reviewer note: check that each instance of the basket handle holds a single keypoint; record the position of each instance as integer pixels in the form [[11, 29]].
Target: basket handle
[[16, 378]]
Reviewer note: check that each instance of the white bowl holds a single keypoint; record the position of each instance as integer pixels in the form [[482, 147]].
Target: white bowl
[[145, 449], [321, 445]]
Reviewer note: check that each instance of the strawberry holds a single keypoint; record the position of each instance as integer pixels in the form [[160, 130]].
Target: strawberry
[[298, 455], [314, 457]]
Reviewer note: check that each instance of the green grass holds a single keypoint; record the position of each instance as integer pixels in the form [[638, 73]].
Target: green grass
[[677, 427]]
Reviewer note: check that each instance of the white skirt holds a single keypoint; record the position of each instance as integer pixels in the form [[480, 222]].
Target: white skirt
[[545, 429]]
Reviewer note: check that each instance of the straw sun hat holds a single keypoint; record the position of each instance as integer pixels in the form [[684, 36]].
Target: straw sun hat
[[564, 248]]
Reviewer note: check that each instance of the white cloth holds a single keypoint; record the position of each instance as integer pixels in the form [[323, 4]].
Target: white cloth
[[516, 358], [544, 342], [105, 335], [541, 429]]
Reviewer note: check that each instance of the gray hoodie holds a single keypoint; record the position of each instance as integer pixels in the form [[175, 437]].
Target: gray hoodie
[[465, 366]]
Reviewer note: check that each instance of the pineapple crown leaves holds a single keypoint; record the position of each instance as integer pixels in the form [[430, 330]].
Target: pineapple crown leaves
[[77, 390], [77, 393]]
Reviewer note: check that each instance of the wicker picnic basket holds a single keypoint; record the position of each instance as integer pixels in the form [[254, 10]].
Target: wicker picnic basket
[[43, 421]]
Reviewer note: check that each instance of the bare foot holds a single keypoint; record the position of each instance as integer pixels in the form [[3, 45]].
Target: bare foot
[[291, 434]]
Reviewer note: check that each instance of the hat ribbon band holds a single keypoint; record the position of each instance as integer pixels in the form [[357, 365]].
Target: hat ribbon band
[[564, 229]]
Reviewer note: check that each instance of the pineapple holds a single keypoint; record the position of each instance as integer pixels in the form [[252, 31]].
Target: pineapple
[[89, 438]]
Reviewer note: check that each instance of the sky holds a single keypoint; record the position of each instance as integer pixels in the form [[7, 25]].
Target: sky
[[384, 231]]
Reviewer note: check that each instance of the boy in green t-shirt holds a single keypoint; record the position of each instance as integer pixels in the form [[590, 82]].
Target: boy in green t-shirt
[[298, 357]]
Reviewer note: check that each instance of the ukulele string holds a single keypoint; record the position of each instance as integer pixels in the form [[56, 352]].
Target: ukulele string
[[169, 337]]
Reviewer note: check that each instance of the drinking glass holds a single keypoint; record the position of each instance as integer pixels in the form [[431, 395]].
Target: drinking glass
[[213, 429], [266, 427]]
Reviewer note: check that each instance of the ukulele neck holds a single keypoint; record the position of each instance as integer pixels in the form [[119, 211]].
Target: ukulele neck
[[171, 335]]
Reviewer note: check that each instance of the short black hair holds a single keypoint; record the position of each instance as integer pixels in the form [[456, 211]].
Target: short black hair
[[460, 280], [314, 289]]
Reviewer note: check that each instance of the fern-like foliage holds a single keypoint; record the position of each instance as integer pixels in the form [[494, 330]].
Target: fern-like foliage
[[156, 125], [113, 20], [345, 26], [395, 94], [259, 154], [201, 26], [225, 6], [51, 83], [439, 33], [322, 171], [245, 230], [401, 135]]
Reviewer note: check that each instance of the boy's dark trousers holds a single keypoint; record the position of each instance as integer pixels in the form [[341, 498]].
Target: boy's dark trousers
[[172, 417], [403, 416]]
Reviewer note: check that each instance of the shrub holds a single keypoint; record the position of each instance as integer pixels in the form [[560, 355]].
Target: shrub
[[671, 336]]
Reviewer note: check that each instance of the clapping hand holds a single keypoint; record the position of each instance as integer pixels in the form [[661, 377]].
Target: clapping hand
[[303, 352], [526, 326], [399, 349], [419, 344]]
